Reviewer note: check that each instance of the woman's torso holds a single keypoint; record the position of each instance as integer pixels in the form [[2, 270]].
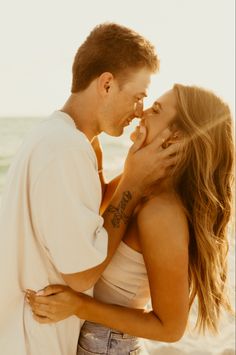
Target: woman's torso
[[125, 280]]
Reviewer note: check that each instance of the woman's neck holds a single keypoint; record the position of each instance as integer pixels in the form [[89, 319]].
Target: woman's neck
[[162, 186]]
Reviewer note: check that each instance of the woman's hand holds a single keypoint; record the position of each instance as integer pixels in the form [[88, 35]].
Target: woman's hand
[[54, 303]]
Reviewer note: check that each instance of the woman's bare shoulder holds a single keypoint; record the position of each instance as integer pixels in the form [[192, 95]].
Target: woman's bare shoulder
[[163, 205], [163, 216]]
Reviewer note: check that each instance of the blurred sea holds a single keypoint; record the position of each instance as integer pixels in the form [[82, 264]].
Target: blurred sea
[[12, 132]]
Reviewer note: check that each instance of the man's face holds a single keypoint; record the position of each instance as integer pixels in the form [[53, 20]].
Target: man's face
[[120, 106]]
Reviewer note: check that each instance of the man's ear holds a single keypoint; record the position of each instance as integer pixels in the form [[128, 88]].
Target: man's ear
[[105, 82]]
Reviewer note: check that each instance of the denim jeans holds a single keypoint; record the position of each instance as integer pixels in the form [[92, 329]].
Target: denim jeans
[[97, 339]]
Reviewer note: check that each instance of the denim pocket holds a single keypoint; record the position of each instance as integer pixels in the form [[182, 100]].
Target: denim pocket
[[124, 344], [96, 339], [82, 351]]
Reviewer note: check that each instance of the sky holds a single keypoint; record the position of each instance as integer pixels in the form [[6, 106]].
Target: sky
[[39, 38]]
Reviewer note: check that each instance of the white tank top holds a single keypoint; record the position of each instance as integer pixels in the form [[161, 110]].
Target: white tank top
[[125, 280]]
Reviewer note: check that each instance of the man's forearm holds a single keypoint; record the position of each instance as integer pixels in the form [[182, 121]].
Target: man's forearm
[[117, 215], [116, 218]]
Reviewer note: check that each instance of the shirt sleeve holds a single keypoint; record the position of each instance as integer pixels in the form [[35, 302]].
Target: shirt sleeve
[[65, 203]]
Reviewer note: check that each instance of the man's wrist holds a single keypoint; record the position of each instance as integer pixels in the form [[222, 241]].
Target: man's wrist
[[134, 189]]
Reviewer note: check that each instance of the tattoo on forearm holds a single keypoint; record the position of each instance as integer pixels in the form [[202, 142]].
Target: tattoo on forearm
[[119, 212]]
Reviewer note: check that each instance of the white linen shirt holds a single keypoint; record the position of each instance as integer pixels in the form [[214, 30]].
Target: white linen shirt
[[49, 224]]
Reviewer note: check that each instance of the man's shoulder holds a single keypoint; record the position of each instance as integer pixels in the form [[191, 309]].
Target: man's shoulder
[[59, 128], [53, 139], [56, 134]]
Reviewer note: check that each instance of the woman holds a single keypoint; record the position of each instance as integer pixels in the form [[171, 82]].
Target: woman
[[175, 247]]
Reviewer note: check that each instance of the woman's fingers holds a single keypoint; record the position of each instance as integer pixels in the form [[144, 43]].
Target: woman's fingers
[[31, 299], [160, 139], [42, 310], [172, 150], [51, 290], [47, 291], [54, 306]]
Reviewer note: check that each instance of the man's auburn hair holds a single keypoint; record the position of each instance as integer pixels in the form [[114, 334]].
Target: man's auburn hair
[[111, 48]]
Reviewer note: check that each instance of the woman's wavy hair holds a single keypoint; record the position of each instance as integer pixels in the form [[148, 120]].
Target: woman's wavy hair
[[204, 183]]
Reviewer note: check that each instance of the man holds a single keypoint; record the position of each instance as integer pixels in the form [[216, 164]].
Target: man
[[51, 231]]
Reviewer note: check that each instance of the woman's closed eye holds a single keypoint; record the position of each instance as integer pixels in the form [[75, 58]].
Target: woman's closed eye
[[155, 110]]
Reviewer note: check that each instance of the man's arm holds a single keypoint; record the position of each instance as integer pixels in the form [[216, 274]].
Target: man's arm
[[116, 217], [139, 173]]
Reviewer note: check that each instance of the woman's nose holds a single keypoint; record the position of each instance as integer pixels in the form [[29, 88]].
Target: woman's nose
[[138, 110], [145, 115], [142, 122]]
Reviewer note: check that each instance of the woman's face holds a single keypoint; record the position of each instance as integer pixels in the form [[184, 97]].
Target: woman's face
[[158, 117]]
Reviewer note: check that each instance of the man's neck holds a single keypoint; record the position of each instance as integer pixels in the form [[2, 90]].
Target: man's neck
[[79, 108]]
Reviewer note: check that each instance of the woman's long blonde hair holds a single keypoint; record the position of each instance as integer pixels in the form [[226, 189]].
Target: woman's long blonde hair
[[204, 184]]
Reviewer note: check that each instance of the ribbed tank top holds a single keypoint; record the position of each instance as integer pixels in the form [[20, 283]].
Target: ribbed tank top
[[124, 282]]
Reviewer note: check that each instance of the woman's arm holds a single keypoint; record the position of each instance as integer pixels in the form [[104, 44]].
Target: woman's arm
[[164, 240], [163, 234]]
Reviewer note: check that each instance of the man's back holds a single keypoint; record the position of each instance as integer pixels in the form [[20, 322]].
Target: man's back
[[36, 244]]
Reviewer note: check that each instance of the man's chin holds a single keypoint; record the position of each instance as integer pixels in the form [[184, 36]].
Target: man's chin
[[117, 132]]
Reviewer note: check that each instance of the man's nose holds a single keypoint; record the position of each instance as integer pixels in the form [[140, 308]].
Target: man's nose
[[138, 110]]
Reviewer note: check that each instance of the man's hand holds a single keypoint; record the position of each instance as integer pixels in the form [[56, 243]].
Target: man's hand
[[147, 164]]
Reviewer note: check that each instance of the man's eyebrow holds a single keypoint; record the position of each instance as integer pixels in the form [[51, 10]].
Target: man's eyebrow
[[157, 103]]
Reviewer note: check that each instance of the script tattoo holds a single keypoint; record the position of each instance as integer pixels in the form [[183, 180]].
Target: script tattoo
[[119, 212]]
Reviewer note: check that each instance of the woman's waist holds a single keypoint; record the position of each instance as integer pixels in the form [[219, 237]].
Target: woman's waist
[[98, 339], [108, 292], [101, 331]]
